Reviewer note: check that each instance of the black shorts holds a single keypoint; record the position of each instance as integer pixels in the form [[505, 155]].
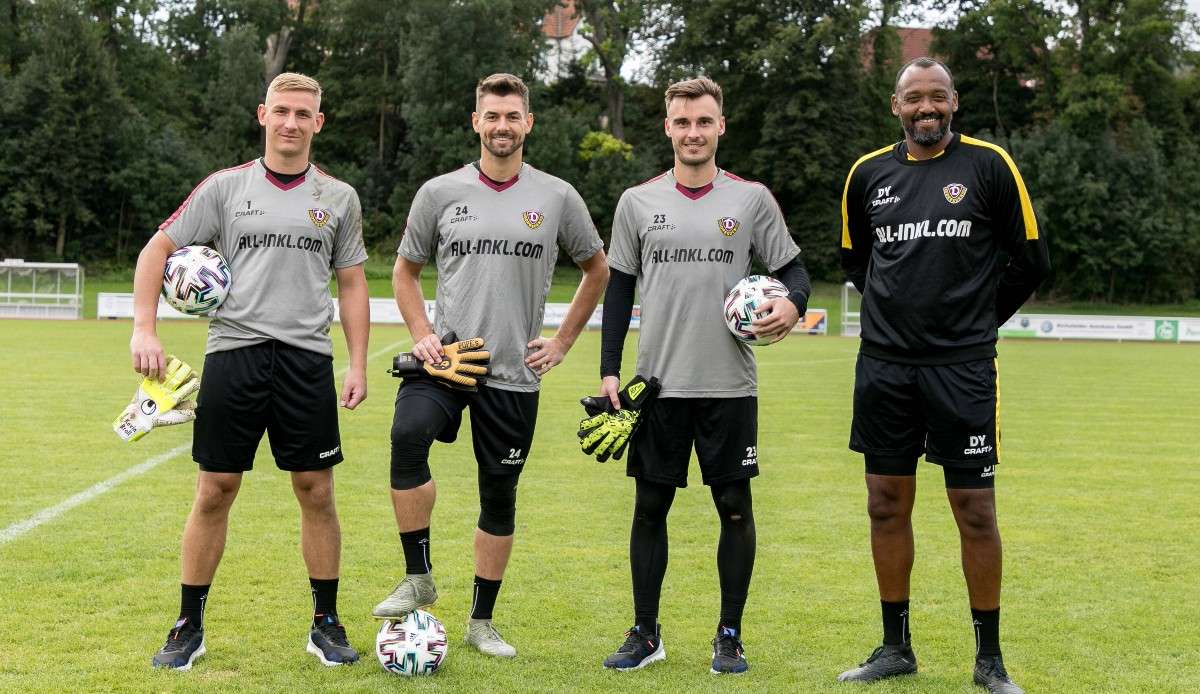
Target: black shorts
[[956, 477], [502, 421], [724, 431], [946, 412], [269, 387]]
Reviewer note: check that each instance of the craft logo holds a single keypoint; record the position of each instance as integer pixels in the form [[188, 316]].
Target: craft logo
[[885, 197], [533, 218], [954, 193], [979, 446], [728, 225], [319, 217]]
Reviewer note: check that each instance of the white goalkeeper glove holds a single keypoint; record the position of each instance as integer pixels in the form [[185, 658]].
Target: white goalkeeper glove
[[160, 404]]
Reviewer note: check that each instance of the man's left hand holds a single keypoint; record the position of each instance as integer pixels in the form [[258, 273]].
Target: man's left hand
[[550, 353], [776, 318], [354, 389]]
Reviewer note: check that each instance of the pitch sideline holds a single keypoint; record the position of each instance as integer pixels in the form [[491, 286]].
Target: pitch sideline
[[46, 515]]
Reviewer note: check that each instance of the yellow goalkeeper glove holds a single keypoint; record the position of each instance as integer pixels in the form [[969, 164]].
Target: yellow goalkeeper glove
[[463, 367], [162, 403]]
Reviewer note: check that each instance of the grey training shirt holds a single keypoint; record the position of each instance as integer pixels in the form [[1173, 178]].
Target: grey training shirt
[[687, 250], [282, 242], [495, 246]]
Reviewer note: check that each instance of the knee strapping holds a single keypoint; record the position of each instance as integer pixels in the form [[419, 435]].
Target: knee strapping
[[652, 502], [733, 501], [497, 504], [410, 454]]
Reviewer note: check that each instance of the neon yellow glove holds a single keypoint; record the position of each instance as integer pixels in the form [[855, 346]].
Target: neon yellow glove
[[159, 403], [606, 432]]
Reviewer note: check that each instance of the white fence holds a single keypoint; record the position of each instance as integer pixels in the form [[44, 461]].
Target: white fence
[[41, 290], [1119, 328], [120, 305]]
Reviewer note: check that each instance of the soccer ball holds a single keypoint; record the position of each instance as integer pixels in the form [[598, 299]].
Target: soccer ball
[[414, 646], [195, 280], [746, 296]]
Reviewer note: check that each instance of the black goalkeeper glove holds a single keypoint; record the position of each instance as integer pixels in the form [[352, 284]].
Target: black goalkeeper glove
[[462, 368], [605, 432]]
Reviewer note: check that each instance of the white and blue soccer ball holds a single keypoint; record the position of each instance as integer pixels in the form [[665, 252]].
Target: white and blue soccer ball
[[195, 280], [415, 645], [747, 296]]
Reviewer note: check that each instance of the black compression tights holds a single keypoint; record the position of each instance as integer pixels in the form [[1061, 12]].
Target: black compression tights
[[735, 553], [648, 548]]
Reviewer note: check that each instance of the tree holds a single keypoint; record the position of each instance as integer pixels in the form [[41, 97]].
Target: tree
[[448, 48], [610, 26], [1001, 55], [61, 113]]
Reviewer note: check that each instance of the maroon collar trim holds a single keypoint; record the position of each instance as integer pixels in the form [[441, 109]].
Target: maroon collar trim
[[280, 184], [498, 187], [701, 192]]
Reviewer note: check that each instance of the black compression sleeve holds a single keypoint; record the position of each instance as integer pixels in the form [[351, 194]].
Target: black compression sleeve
[[795, 277], [618, 309]]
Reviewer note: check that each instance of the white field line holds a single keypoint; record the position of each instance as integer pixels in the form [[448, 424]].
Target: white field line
[[46, 515], [19, 528]]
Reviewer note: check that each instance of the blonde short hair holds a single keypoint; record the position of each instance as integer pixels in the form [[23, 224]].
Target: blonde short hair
[[295, 82], [694, 89], [502, 84]]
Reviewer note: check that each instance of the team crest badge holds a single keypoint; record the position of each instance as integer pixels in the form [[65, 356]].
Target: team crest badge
[[319, 217], [954, 193], [533, 218], [728, 225]]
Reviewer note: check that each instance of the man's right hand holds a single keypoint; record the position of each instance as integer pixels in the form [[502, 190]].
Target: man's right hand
[[463, 366], [147, 352], [429, 349], [610, 387], [605, 433]]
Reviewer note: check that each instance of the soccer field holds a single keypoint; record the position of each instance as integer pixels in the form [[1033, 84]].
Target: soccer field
[[1097, 495]]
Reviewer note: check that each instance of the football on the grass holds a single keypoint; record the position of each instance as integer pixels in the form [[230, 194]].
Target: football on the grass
[[415, 645]]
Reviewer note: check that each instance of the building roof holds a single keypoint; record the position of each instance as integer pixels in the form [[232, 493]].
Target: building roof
[[914, 43], [561, 20]]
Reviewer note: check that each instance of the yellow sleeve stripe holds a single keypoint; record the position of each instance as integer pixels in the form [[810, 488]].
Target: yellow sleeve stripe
[[1031, 230], [845, 191]]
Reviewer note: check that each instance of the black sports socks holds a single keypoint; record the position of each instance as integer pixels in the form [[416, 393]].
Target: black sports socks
[[987, 632], [484, 599], [324, 595], [895, 622], [191, 603], [416, 551]]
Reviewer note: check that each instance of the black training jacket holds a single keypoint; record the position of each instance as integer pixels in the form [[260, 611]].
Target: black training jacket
[[944, 250]]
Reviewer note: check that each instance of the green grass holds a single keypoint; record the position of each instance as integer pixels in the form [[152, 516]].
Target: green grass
[[1097, 502]]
